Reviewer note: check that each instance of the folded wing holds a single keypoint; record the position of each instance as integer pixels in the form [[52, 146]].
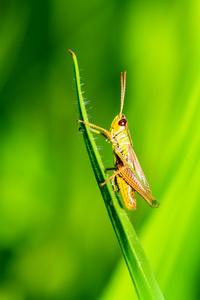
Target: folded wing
[[132, 180]]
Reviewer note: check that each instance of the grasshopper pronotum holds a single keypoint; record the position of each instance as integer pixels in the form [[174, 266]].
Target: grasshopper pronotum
[[128, 174]]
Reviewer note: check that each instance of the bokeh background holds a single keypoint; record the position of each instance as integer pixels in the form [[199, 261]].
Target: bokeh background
[[56, 240]]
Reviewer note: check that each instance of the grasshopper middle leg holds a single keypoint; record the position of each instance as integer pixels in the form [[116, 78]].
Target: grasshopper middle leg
[[114, 175]]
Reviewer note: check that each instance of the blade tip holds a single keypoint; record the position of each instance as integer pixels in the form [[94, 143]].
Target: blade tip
[[71, 52]]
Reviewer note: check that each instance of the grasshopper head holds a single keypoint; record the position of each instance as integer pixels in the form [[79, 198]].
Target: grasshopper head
[[120, 123]]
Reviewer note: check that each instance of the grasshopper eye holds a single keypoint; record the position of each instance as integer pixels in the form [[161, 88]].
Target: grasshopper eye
[[122, 122]]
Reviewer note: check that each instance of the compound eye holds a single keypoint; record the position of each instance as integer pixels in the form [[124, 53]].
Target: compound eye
[[122, 122]]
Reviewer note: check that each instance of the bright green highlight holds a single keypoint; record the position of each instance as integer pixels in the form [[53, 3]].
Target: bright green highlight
[[48, 248]]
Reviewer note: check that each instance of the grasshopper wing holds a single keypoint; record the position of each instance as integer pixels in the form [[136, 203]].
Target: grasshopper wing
[[136, 166], [132, 180]]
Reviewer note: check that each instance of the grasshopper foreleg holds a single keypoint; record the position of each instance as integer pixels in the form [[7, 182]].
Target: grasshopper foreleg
[[101, 130]]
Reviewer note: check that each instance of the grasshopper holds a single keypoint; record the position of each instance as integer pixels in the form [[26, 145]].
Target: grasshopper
[[128, 175]]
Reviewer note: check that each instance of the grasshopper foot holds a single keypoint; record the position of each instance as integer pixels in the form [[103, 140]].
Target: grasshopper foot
[[113, 184]]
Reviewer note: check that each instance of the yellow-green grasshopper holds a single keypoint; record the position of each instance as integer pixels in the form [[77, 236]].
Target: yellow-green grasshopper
[[128, 174]]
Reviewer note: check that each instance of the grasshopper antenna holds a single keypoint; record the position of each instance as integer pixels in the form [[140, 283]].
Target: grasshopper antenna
[[123, 87]]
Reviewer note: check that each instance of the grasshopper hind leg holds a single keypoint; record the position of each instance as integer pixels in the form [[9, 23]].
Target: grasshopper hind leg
[[114, 184], [127, 192]]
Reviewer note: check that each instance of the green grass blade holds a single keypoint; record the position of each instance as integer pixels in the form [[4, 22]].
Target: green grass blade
[[138, 265]]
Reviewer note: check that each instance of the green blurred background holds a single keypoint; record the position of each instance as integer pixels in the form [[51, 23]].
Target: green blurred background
[[56, 240]]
